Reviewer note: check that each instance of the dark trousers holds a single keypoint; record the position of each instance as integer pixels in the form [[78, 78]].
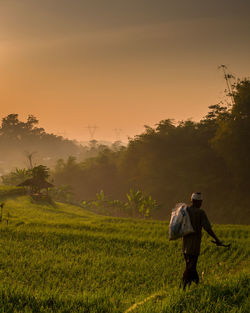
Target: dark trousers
[[190, 274]]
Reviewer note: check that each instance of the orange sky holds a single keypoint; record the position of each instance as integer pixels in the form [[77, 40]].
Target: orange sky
[[118, 64]]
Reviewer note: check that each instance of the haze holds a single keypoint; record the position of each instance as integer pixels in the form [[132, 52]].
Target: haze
[[118, 64]]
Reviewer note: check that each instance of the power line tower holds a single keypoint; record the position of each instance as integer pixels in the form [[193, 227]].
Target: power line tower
[[228, 78], [92, 130]]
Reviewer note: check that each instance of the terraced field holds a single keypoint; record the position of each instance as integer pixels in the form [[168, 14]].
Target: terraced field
[[64, 259]]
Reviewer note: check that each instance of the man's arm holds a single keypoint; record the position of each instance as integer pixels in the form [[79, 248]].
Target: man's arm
[[208, 228], [212, 234]]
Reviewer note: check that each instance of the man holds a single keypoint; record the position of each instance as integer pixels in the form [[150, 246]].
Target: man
[[191, 243]]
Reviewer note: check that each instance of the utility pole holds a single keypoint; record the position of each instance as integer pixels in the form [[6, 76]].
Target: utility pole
[[228, 78]]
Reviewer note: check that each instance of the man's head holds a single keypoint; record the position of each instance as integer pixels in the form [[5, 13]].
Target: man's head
[[196, 199]]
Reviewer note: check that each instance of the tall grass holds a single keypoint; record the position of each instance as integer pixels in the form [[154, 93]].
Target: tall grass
[[64, 259]]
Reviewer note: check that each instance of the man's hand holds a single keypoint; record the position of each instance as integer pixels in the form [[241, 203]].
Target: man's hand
[[216, 240], [220, 244]]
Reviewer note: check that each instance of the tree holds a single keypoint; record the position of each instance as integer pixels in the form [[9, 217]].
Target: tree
[[17, 136], [38, 181], [232, 141], [171, 160]]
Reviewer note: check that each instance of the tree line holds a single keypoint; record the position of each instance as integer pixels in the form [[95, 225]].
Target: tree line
[[171, 160], [166, 162]]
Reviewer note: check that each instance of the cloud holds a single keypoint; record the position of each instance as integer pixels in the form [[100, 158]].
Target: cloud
[[47, 19]]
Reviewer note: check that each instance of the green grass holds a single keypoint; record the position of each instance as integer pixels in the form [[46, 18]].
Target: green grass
[[7, 191], [64, 259]]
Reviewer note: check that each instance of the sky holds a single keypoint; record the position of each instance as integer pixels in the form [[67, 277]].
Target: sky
[[118, 64]]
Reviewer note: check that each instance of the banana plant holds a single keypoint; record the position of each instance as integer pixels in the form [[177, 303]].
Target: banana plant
[[140, 204], [149, 205], [135, 201], [100, 196]]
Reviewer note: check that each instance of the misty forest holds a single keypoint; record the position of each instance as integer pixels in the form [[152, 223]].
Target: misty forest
[[149, 175]]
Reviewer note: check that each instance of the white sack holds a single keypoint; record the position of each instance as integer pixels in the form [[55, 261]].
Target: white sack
[[180, 224]]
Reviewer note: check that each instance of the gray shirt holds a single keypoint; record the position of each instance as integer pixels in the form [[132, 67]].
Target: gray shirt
[[191, 243]]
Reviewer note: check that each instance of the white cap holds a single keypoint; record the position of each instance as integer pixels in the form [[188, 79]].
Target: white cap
[[196, 196]]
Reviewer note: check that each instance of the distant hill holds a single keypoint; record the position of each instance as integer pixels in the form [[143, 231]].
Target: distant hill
[[24, 143]]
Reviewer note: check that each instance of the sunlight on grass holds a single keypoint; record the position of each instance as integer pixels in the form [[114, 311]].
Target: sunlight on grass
[[62, 258]]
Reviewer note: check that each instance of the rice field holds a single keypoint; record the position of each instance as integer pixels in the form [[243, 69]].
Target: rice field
[[62, 258]]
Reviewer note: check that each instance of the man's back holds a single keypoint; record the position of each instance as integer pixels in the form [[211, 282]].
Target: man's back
[[191, 243]]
